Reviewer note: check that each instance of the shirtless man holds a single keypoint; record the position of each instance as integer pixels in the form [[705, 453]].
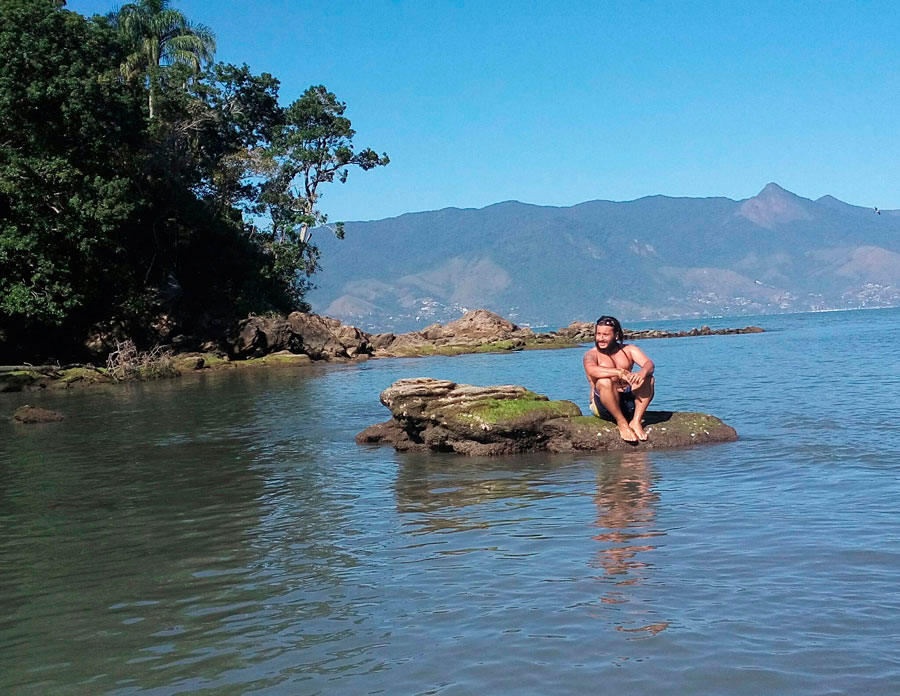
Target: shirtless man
[[617, 391]]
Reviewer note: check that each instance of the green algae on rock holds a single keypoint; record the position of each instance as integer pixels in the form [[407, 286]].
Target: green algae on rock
[[664, 429], [440, 415]]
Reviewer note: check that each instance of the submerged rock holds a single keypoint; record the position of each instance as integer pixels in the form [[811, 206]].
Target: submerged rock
[[439, 415], [33, 414]]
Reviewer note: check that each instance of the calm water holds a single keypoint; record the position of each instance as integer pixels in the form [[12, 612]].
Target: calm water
[[223, 534]]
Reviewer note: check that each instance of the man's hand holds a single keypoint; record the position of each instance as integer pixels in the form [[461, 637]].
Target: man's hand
[[635, 379]]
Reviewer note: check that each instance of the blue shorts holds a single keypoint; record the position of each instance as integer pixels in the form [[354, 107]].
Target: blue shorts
[[626, 403]]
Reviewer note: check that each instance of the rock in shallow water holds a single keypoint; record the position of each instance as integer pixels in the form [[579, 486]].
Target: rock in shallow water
[[33, 414], [430, 414]]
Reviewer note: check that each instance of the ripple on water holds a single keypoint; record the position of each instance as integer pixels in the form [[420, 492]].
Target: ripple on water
[[229, 536]]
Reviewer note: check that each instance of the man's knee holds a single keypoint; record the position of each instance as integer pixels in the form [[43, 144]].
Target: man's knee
[[603, 383], [648, 387]]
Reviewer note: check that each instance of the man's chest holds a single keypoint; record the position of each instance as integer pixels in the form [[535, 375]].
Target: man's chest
[[619, 360]]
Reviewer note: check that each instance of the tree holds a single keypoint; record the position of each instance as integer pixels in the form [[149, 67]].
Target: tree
[[159, 36], [313, 146], [213, 132], [113, 225], [67, 128]]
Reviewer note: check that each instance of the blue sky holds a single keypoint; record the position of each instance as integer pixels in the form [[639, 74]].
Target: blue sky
[[560, 102]]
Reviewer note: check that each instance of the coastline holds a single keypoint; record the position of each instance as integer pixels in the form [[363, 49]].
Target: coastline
[[478, 331]]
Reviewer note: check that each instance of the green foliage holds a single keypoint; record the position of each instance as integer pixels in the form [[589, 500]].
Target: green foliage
[[313, 146], [66, 128], [158, 36], [114, 225]]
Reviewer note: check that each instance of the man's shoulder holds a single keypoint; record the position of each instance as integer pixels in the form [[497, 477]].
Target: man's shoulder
[[632, 351]]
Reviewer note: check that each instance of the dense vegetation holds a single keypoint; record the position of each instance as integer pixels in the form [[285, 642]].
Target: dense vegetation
[[146, 192]]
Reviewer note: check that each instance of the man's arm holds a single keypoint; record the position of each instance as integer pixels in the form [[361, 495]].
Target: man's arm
[[594, 371], [636, 379]]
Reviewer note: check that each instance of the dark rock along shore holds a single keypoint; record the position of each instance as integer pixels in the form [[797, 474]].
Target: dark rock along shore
[[324, 338], [300, 338], [439, 415]]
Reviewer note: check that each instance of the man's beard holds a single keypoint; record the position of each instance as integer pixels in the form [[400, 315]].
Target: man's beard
[[610, 349]]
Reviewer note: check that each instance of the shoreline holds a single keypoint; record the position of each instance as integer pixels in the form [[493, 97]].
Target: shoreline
[[25, 378]]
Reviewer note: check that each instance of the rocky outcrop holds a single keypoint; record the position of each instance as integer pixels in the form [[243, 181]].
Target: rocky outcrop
[[475, 326], [482, 331], [321, 338], [17, 378], [33, 414], [299, 338], [474, 331], [439, 415], [324, 338], [583, 332]]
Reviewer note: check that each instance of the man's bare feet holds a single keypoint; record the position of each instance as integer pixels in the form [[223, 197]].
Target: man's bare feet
[[638, 430], [626, 432]]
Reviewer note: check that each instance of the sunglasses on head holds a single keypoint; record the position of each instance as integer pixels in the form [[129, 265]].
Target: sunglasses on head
[[606, 321]]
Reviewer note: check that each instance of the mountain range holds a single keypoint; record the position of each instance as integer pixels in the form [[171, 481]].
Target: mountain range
[[652, 258]]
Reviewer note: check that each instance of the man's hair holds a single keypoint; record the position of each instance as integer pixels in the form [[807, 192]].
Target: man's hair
[[618, 334]]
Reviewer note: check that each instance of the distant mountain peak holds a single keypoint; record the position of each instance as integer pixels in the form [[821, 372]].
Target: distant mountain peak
[[773, 206], [772, 188], [832, 203]]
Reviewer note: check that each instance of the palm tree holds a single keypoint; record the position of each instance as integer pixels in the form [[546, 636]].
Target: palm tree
[[160, 35]]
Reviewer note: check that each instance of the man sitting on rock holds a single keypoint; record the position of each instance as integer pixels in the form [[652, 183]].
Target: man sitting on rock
[[617, 392]]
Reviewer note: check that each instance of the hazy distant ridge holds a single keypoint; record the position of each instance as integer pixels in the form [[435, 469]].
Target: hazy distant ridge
[[653, 257]]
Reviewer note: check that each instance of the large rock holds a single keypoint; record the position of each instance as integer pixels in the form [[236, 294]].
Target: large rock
[[321, 338], [324, 338], [34, 414], [383, 340], [477, 324], [442, 415], [429, 414], [476, 328], [664, 428], [258, 336]]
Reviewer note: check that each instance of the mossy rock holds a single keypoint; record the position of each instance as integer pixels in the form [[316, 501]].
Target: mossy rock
[[189, 363], [510, 415], [213, 361], [86, 375], [275, 360], [440, 415], [18, 380], [450, 349], [664, 429], [549, 344]]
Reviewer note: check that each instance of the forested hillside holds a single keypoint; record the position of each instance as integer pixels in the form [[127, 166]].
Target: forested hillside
[[649, 258], [147, 192]]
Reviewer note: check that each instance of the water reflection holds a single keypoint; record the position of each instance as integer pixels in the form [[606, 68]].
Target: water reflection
[[440, 488], [626, 513]]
